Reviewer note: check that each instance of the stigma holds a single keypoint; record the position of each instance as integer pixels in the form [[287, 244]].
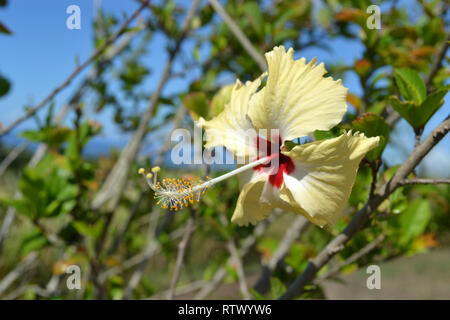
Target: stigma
[[279, 163]]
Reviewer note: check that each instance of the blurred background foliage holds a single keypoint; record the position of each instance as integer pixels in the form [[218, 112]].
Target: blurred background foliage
[[131, 251]]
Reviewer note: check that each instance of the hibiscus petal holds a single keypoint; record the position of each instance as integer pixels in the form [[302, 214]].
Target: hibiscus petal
[[297, 99], [231, 128], [249, 207], [324, 175]]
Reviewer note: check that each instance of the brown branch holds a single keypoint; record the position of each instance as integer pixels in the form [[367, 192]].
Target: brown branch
[[77, 70], [12, 155], [149, 251], [296, 229], [437, 63], [237, 263], [75, 98], [181, 254], [137, 259], [246, 245], [361, 218], [240, 36], [12, 276], [423, 181], [114, 185], [353, 258]]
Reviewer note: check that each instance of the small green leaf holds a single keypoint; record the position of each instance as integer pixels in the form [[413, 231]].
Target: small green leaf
[[34, 240], [90, 230], [277, 288], [373, 125], [431, 104], [327, 134], [4, 29], [254, 16], [410, 84], [220, 100], [256, 294], [197, 103], [418, 114], [405, 109], [414, 220], [4, 86]]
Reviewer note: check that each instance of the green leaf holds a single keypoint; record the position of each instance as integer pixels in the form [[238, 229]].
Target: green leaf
[[277, 288], [197, 103], [416, 114], [254, 16], [4, 86], [410, 84], [91, 230], [220, 100], [431, 104], [327, 134], [256, 294], [21, 206], [414, 221], [405, 109], [32, 241], [373, 125], [4, 29]]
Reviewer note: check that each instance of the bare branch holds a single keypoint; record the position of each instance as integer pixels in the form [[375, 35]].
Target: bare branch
[[355, 225], [114, 185], [353, 258], [17, 272], [247, 243], [193, 286], [149, 251], [181, 253], [77, 70], [424, 181], [75, 98], [296, 229], [137, 259], [437, 63], [15, 152], [237, 263], [240, 36]]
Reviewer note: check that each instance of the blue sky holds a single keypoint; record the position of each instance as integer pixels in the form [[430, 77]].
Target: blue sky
[[42, 52]]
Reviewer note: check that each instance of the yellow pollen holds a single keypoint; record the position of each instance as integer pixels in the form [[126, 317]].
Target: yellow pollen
[[156, 169], [141, 171], [149, 175]]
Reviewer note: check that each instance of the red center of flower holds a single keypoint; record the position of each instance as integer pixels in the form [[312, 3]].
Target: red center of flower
[[285, 164]]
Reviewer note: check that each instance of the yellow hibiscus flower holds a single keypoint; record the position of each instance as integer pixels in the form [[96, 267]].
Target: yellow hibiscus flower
[[313, 179]]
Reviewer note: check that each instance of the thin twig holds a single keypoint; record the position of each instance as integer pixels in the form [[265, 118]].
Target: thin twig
[[352, 259], [437, 63], [246, 245], [361, 218], [296, 229], [184, 289], [423, 181], [17, 271], [77, 70], [106, 59], [113, 187], [137, 259], [149, 251], [240, 36], [181, 254], [12, 155], [237, 264]]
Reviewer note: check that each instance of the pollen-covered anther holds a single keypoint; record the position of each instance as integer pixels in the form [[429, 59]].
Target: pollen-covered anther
[[175, 193]]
